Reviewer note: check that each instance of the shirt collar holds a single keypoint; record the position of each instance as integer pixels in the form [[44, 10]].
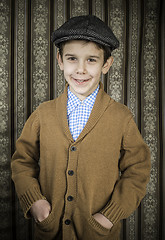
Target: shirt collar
[[74, 101]]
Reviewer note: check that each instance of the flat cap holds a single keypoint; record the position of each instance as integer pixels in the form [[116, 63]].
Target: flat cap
[[88, 27]]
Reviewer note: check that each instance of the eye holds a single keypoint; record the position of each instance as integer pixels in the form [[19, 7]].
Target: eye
[[92, 60], [71, 59]]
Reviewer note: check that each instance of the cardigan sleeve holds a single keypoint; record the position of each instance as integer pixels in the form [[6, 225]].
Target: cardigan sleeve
[[25, 164], [135, 166]]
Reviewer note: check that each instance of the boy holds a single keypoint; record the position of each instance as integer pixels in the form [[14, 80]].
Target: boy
[[82, 139]]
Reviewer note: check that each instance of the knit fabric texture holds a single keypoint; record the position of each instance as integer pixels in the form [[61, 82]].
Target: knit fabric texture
[[80, 178]]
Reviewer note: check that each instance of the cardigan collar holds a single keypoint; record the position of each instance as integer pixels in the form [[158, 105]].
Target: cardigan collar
[[101, 103]]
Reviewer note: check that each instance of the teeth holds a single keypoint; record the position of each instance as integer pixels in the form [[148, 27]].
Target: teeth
[[80, 80], [83, 80]]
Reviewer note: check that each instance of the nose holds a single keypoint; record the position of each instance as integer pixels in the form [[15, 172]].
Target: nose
[[81, 67]]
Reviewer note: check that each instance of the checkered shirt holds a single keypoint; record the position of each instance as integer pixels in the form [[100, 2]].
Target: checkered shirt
[[79, 111]]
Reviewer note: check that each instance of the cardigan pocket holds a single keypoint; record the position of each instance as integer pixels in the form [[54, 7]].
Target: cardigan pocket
[[87, 228], [98, 227], [49, 228], [99, 232], [46, 224]]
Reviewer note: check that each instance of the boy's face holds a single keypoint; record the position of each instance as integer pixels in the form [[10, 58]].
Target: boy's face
[[83, 63]]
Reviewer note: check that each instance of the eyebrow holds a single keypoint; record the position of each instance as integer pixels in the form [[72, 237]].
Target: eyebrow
[[94, 56], [68, 55], [73, 55]]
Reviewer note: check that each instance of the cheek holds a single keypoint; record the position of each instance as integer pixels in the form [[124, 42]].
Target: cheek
[[68, 69], [95, 72]]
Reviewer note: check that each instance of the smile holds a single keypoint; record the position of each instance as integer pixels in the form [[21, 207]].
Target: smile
[[80, 81]]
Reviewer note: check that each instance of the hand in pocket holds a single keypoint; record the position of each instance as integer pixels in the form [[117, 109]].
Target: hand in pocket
[[40, 210], [100, 218]]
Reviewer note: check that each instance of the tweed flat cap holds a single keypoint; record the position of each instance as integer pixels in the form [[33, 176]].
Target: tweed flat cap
[[87, 27]]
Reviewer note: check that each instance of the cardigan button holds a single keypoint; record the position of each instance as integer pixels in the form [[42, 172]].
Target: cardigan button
[[73, 148], [71, 172], [67, 221], [70, 198]]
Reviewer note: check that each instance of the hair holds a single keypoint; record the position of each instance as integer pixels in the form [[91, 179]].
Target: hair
[[107, 51]]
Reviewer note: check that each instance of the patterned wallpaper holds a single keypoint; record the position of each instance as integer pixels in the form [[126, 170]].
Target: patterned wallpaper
[[5, 75], [29, 75]]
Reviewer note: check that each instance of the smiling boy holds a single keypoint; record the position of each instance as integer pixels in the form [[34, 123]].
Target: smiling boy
[[82, 138]]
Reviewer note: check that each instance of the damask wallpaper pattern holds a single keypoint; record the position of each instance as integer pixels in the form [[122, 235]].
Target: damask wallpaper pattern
[[5, 183], [149, 123], [29, 75]]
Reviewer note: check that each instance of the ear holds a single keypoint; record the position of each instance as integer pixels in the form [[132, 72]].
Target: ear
[[107, 65], [60, 61]]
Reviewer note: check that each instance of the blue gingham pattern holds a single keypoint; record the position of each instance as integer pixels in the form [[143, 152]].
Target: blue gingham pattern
[[79, 111]]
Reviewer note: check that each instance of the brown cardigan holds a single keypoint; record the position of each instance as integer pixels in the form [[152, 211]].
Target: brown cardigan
[[81, 178]]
